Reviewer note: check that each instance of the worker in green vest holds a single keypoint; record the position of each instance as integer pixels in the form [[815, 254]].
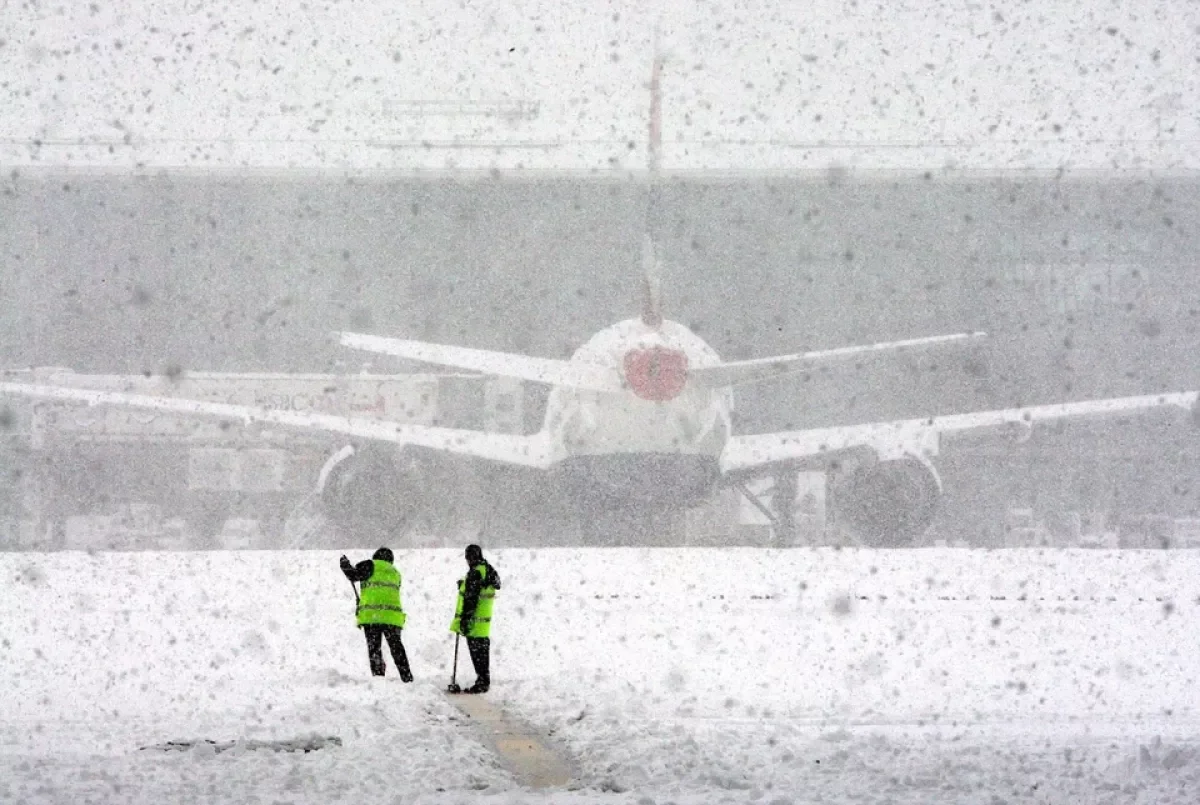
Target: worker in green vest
[[379, 612], [473, 615]]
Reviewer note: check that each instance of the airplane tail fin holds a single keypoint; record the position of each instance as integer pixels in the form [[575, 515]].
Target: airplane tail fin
[[654, 152], [651, 275], [651, 284]]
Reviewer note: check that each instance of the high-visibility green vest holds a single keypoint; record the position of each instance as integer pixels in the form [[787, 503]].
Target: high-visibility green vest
[[481, 624], [380, 598]]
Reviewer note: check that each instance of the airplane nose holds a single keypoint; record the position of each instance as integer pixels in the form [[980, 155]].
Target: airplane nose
[[656, 373]]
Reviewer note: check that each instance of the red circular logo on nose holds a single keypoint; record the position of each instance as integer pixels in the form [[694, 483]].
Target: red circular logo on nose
[[656, 373]]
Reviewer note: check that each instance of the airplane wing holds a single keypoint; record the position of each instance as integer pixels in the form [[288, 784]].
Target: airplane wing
[[605, 378], [505, 364], [527, 451], [743, 454], [738, 373]]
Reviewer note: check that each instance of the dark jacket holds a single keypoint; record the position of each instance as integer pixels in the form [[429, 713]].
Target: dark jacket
[[474, 586], [360, 572]]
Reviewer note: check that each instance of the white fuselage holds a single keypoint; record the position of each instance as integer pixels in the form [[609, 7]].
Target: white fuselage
[[581, 423]]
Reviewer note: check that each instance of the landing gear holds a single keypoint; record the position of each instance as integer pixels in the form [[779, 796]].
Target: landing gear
[[781, 511]]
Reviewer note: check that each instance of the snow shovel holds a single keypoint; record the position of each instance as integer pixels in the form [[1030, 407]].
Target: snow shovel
[[454, 687]]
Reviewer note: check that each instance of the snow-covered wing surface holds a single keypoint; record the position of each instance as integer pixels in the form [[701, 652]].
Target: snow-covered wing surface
[[744, 453], [528, 451], [574, 374], [752, 371]]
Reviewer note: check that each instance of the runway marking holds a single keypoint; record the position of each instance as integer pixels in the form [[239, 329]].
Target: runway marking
[[531, 761]]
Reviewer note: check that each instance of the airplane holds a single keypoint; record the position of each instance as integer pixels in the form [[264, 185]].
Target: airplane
[[639, 418]]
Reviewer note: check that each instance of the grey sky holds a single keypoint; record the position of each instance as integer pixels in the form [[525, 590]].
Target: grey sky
[[1002, 85]]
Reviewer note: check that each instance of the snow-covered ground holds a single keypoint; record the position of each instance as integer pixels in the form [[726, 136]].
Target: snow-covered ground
[[687, 676]]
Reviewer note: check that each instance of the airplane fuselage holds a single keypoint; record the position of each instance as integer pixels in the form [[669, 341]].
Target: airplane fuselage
[[661, 439]]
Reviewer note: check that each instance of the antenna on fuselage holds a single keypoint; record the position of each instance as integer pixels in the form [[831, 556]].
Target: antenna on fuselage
[[651, 273]]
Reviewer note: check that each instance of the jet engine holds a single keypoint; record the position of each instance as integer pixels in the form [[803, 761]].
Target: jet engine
[[888, 503], [371, 492]]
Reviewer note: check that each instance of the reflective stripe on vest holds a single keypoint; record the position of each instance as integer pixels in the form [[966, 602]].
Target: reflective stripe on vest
[[380, 599], [481, 624]]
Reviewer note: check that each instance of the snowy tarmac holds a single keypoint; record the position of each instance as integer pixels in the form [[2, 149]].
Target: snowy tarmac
[[685, 676], [521, 748]]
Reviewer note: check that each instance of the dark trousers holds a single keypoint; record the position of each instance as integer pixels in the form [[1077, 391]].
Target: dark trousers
[[481, 657], [375, 633]]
